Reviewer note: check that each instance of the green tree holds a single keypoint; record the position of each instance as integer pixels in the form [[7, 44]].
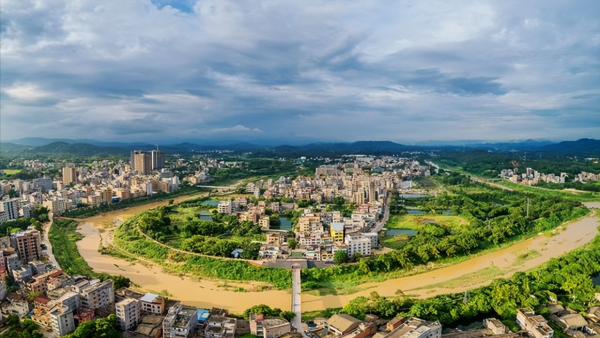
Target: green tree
[[340, 257], [292, 243]]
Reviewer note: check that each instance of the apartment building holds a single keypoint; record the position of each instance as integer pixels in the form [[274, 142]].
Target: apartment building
[[141, 161], [96, 294], [69, 175], [220, 327], [151, 303], [61, 320], [336, 230], [11, 208], [225, 207], [536, 325], [28, 244], [128, 313], [179, 322], [358, 243]]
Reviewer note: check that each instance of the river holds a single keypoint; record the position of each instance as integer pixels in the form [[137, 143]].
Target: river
[[206, 293]]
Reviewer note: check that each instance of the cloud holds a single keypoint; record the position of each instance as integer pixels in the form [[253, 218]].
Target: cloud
[[403, 71]]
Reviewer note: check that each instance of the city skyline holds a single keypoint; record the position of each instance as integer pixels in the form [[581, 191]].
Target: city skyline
[[300, 71]]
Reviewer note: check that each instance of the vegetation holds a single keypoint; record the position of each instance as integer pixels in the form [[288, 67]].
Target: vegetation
[[494, 217], [568, 279], [100, 327], [128, 238], [63, 236], [268, 312], [17, 329]]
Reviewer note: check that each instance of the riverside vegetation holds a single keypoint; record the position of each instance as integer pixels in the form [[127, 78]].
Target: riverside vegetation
[[495, 217]]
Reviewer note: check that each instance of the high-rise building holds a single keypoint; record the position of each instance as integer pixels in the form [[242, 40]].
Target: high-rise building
[[11, 208], [27, 243], [69, 175], [141, 161], [43, 182], [158, 160]]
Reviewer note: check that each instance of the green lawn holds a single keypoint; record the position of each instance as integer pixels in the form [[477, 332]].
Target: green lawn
[[576, 195], [395, 242]]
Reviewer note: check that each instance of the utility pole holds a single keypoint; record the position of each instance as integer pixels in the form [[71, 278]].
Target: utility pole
[[527, 207]]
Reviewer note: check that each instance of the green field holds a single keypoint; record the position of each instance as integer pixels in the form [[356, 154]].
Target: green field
[[416, 222], [11, 171], [574, 195], [63, 237]]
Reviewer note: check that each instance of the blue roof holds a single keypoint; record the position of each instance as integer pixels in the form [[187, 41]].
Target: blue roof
[[202, 314]]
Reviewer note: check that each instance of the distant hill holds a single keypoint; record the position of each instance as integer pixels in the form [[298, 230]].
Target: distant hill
[[76, 149], [518, 145], [7, 147], [581, 148]]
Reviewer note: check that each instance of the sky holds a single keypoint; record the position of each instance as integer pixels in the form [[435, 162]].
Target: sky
[[404, 71]]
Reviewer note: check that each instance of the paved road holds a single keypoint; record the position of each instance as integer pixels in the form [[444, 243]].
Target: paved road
[[46, 241], [296, 298], [386, 215]]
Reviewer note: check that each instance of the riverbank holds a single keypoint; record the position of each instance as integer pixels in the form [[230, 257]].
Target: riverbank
[[206, 292]]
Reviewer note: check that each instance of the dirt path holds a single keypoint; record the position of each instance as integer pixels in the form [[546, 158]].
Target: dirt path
[[208, 293]]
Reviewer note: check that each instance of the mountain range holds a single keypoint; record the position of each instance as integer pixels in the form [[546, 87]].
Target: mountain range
[[32, 146]]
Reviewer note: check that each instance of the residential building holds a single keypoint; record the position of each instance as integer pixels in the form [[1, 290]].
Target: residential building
[[536, 325], [225, 207], [341, 324], [27, 243], [336, 230], [97, 294], [128, 313], [220, 327], [141, 161], [62, 321], [358, 243], [412, 327], [151, 303], [158, 159], [179, 322], [495, 325], [69, 175], [268, 327], [264, 222], [11, 208], [44, 183]]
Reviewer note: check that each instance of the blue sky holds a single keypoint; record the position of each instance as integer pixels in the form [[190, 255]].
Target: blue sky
[[404, 71]]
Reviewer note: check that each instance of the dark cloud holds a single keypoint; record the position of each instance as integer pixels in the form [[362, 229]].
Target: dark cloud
[[404, 71]]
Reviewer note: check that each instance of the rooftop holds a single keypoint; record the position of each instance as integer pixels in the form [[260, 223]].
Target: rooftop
[[149, 297]]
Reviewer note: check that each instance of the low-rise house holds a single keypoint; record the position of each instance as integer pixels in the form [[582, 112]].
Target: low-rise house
[[412, 327], [495, 326], [151, 303], [220, 327], [536, 325], [341, 324], [150, 326], [268, 327]]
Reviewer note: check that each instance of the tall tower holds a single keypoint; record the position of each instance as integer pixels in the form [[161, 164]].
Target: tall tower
[[69, 175], [141, 161]]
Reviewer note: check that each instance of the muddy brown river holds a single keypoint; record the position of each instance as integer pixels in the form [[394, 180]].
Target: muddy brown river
[[212, 293]]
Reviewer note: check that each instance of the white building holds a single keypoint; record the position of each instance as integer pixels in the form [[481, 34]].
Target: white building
[[128, 313], [152, 303], [357, 243], [11, 208], [225, 207], [97, 294], [62, 320]]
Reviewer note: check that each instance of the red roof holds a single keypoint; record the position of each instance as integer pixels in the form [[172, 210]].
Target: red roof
[[41, 299]]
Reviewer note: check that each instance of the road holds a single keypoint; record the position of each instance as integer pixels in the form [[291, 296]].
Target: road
[[297, 298], [386, 215], [46, 241]]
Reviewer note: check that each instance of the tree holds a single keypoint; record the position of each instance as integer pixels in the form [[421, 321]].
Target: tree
[[292, 243], [340, 257], [288, 315]]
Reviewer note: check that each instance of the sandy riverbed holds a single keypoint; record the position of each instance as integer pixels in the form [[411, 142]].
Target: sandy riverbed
[[207, 293]]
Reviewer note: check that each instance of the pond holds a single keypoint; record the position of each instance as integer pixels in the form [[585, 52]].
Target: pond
[[415, 212], [205, 215], [596, 280], [413, 195], [286, 224], [211, 203], [401, 231]]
